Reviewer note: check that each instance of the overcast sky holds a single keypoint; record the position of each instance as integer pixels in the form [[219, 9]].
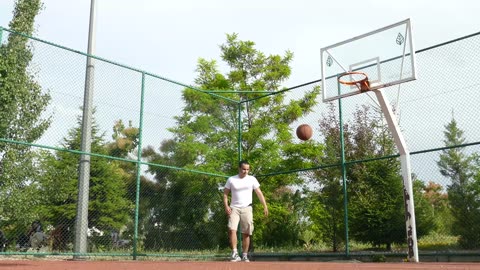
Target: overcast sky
[[168, 37]]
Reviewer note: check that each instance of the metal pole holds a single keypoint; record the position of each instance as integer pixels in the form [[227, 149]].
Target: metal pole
[[406, 175], [239, 233], [344, 178], [139, 167], [81, 222], [239, 141]]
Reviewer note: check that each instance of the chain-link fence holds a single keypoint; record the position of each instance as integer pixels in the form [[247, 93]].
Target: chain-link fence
[[155, 185]]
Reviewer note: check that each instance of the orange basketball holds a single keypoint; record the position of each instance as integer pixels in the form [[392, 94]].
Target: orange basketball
[[304, 132]]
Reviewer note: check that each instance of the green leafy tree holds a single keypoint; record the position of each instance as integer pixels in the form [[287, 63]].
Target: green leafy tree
[[438, 199], [125, 140], [326, 203], [206, 136], [22, 103], [375, 188], [124, 145], [109, 207], [375, 205], [426, 218], [463, 192], [304, 217], [21, 98]]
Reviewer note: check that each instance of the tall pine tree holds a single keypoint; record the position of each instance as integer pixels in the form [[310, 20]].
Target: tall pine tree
[[109, 207], [464, 190]]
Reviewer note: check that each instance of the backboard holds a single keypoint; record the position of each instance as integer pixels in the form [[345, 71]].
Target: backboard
[[385, 55]]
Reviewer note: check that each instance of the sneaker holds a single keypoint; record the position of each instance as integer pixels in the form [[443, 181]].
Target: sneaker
[[245, 258], [235, 257]]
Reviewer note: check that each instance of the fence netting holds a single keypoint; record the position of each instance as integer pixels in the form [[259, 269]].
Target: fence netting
[[156, 183]]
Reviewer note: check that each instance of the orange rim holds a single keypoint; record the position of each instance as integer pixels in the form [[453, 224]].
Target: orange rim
[[352, 82], [363, 84]]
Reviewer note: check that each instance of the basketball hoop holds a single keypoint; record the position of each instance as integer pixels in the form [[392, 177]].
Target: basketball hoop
[[359, 79]]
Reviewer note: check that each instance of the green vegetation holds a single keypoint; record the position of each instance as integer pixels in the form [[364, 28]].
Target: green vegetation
[[464, 191], [205, 139], [22, 103], [109, 208]]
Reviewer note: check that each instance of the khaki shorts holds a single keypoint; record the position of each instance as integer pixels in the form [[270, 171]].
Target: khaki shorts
[[244, 216]]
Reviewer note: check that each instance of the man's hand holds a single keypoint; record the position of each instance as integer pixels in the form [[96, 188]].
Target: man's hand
[[262, 200], [265, 211], [228, 210]]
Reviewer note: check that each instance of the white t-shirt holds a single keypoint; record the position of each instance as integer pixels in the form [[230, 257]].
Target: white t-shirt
[[241, 189]]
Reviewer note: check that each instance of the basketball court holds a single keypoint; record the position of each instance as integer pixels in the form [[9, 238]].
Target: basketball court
[[155, 265]]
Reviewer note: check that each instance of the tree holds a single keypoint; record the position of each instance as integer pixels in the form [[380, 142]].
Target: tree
[[125, 140], [454, 163], [109, 207], [375, 189], [438, 199], [327, 203], [464, 191], [206, 139], [124, 145], [426, 217], [21, 98], [22, 103]]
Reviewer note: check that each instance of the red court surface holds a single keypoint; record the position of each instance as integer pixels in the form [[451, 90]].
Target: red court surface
[[151, 265]]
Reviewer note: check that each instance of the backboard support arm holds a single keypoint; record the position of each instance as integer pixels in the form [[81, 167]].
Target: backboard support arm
[[406, 176]]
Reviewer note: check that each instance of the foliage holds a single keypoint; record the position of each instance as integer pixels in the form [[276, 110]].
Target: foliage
[[425, 216], [375, 189], [206, 139], [437, 198], [464, 190], [325, 218], [21, 98], [125, 140], [108, 206], [22, 103], [329, 198]]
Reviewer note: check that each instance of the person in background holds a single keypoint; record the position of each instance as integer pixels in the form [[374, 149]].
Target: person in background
[[37, 237]]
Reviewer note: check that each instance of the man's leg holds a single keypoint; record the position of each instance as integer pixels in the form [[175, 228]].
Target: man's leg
[[245, 245], [233, 244], [246, 242], [233, 239], [233, 221], [247, 230]]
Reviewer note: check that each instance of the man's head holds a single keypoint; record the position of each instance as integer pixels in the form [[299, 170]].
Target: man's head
[[243, 168]]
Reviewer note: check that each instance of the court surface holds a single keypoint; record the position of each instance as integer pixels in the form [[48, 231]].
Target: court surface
[[151, 265]]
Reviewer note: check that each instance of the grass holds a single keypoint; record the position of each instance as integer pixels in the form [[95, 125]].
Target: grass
[[432, 242], [438, 242]]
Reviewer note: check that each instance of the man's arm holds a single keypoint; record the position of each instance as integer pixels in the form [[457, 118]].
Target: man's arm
[[228, 210], [262, 200]]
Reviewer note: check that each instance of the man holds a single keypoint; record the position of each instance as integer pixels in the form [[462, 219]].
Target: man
[[240, 208]]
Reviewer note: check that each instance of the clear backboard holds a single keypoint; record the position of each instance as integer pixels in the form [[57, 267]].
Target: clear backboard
[[386, 56]]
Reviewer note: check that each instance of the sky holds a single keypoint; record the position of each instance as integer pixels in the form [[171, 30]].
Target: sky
[[168, 37]]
